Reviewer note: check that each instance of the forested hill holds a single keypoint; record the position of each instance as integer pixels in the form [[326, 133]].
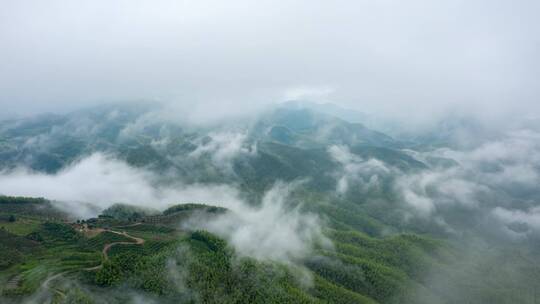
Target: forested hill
[[360, 269], [293, 205]]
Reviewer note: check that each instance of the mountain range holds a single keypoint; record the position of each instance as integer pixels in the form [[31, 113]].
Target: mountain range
[[343, 213]]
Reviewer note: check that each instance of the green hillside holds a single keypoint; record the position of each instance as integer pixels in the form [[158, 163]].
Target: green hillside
[[355, 183]]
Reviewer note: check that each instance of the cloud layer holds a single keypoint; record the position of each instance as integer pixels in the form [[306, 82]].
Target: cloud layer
[[271, 231], [493, 186], [364, 173], [274, 231], [223, 148], [216, 58], [103, 181]]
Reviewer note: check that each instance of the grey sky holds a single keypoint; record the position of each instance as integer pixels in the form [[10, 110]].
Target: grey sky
[[409, 58]]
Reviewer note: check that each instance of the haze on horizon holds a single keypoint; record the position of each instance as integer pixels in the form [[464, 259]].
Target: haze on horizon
[[475, 57]]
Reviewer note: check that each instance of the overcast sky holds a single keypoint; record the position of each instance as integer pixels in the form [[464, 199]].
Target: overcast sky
[[411, 58]]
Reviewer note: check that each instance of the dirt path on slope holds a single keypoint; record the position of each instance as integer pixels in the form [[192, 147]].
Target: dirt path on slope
[[14, 281], [130, 225], [45, 284], [137, 241]]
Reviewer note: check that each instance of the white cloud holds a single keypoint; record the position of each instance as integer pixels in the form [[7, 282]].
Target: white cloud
[[223, 148], [271, 231], [308, 92], [102, 181], [216, 57], [498, 178], [428, 190], [274, 231], [530, 217], [507, 217], [363, 173]]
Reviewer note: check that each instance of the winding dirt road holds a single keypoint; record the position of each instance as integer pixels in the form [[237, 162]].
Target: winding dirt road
[[138, 241], [45, 284], [14, 282]]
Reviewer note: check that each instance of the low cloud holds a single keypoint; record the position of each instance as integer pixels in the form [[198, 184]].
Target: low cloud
[[308, 92], [363, 173], [218, 58], [101, 181], [223, 148], [426, 191], [497, 180], [272, 231], [518, 223], [494, 183]]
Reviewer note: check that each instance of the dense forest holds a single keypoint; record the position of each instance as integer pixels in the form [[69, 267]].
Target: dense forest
[[192, 266]]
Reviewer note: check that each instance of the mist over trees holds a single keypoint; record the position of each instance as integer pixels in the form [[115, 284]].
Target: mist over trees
[[269, 152]]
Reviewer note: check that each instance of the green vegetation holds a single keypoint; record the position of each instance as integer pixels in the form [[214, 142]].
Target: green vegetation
[[377, 255], [198, 266], [27, 209], [104, 238], [128, 212], [181, 266], [193, 207], [14, 248], [21, 225], [21, 200]]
